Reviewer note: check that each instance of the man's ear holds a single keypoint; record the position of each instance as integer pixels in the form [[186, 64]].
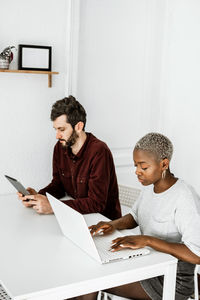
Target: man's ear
[[165, 164], [79, 126]]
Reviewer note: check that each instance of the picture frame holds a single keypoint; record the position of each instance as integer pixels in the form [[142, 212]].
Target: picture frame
[[33, 57]]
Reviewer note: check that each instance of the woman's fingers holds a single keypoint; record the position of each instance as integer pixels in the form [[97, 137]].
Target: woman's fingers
[[132, 241], [101, 228]]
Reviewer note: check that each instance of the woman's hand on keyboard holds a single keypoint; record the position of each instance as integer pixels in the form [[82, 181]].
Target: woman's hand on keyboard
[[102, 228], [130, 241]]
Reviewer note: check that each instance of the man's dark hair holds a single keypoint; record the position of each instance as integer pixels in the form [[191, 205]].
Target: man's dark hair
[[70, 107]]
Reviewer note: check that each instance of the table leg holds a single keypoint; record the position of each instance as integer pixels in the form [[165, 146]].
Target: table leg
[[169, 283]]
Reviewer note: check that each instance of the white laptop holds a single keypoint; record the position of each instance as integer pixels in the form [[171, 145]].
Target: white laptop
[[4, 295], [75, 228]]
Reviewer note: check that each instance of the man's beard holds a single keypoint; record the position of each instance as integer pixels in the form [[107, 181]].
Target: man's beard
[[71, 140]]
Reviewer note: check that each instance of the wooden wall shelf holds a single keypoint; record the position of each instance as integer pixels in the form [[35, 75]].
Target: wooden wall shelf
[[33, 72]]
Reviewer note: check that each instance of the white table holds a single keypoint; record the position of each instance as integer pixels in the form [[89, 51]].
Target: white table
[[38, 262]]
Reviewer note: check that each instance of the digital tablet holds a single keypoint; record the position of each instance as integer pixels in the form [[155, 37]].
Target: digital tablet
[[19, 187]]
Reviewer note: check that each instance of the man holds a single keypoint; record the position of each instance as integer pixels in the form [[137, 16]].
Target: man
[[82, 167]]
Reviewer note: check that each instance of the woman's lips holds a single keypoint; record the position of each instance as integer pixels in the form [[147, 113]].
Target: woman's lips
[[140, 179]]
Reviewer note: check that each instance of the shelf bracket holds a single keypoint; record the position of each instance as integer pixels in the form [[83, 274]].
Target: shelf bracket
[[49, 80]]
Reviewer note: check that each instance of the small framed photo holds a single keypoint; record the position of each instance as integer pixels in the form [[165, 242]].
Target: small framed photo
[[32, 57]]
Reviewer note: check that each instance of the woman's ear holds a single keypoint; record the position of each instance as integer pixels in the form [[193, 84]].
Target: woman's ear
[[165, 164], [79, 126]]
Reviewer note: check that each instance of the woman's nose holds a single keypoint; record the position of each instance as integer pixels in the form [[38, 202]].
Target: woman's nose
[[137, 171]]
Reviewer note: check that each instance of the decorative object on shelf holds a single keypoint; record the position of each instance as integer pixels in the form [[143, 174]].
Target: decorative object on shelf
[[6, 56], [36, 58]]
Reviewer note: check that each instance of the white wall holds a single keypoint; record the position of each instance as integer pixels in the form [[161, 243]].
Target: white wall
[[26, 133], [138, 72], [119, 73], [180, 93]]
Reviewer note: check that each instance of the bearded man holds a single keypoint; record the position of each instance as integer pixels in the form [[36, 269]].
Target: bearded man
[[83, 167]]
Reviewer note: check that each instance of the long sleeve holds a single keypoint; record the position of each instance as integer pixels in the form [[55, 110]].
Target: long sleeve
[[102, 170], [55, 188], [87, 177]]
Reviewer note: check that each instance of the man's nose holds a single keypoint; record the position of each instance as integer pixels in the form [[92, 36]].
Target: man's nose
[[58, 135]]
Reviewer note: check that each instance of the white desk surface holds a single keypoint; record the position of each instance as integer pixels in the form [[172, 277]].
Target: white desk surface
[[38, 262]]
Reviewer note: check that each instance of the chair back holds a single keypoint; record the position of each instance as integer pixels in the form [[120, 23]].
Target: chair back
[[128, 195], [196, 287]]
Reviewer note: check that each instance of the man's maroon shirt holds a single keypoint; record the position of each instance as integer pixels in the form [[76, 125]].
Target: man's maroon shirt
[[89, 177]]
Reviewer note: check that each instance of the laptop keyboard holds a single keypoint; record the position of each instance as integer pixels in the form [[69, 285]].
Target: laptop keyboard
[[3, 294], [103, 245]]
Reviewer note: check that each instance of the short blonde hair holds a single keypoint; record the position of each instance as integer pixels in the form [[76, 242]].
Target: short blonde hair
[[157, 144]]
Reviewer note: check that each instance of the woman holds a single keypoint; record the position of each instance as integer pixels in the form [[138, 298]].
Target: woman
[[167, 213]]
